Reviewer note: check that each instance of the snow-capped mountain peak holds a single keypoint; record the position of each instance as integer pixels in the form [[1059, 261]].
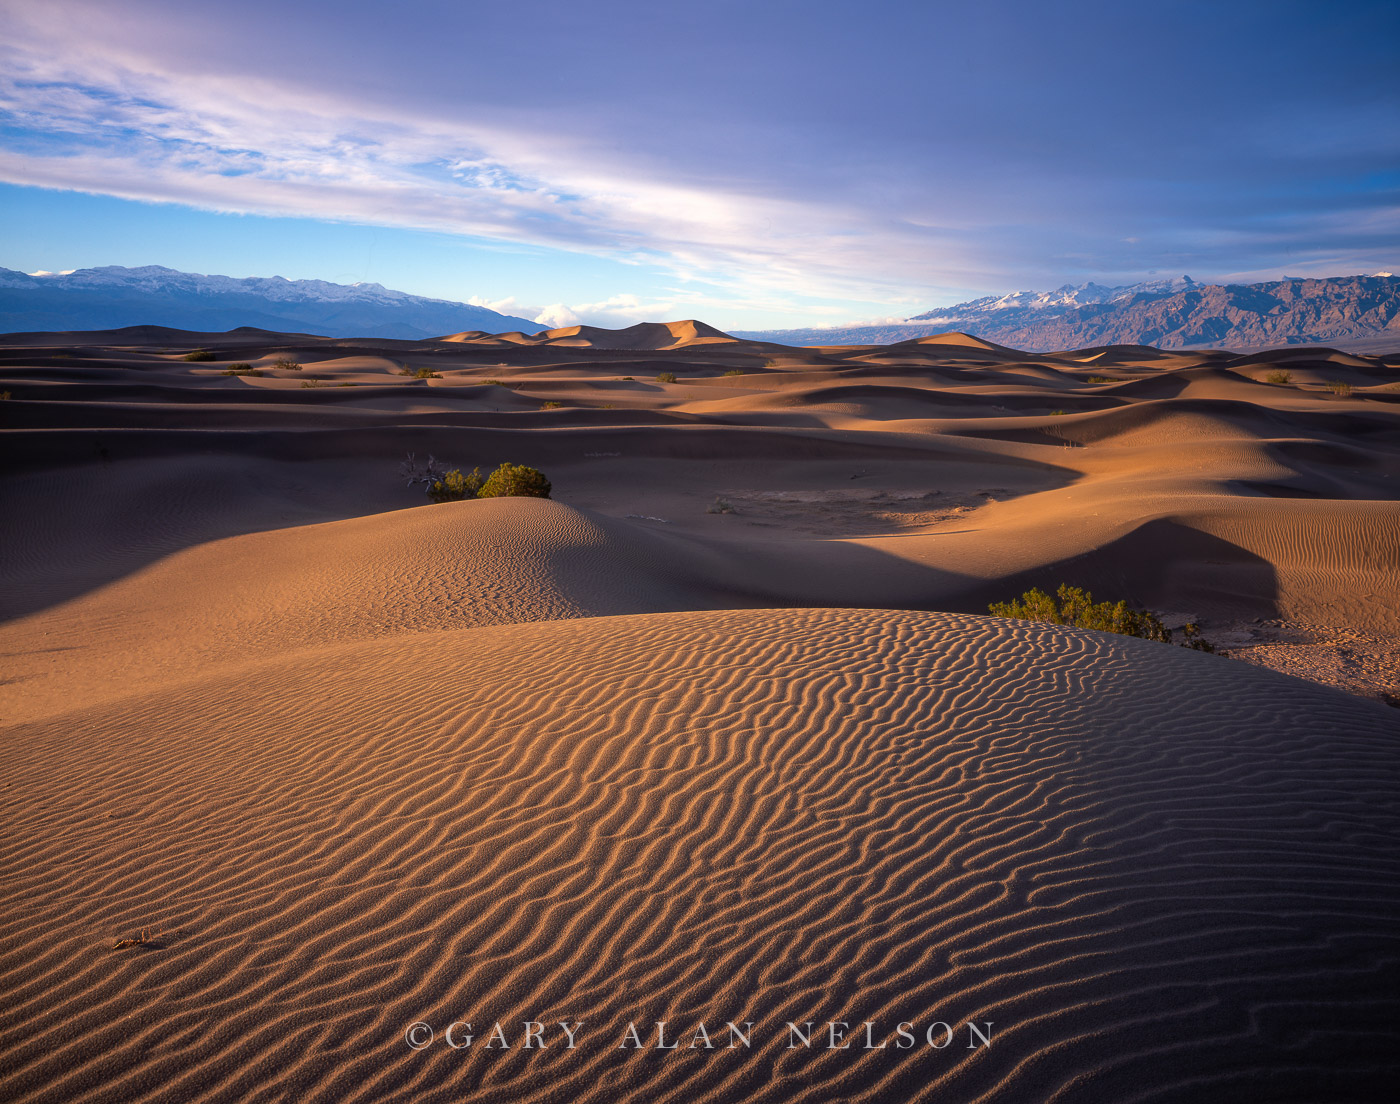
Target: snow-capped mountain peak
[[112, 295]]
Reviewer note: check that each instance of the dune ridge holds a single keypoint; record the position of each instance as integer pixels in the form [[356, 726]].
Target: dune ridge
[[776, 815], [720, 733]]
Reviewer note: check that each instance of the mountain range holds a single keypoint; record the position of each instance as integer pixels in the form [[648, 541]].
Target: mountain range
[[1358, 312], [1361, 313], [113, 297]]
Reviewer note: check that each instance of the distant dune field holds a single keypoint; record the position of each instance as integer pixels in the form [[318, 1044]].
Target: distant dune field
[[720, 734]]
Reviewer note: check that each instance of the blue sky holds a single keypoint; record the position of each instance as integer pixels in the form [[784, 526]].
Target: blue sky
[[751, 164]]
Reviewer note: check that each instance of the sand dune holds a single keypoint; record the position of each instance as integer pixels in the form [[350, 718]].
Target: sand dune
[[1094, 845], [718, 734]]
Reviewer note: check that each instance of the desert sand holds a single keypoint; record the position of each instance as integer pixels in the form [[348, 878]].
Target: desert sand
[[720, 734]]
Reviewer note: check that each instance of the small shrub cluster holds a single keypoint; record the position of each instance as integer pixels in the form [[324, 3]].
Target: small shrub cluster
[[735, 372], [497, 382], [666, 377], [1076, 606], [454, 486], [550, 405], [1058, 413], [515, 480], [242, 368], [199, 354], [419, 373], [311, 383], [1279, 375], [1102, 379], [507, 481], [1338, 388], [720, 506], [286, 365]]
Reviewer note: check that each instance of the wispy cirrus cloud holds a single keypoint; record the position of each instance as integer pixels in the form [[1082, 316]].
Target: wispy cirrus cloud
[[817, 160], [86, 116]]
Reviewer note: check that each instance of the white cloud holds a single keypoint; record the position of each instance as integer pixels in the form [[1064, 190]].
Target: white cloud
[[261, 111], [118, 116], [508, 305], [556, 316]]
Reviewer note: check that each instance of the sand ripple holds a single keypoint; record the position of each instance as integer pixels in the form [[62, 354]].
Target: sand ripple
[[1159, 875]]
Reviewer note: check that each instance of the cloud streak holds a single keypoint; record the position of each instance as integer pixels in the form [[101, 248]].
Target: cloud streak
[[100, 102]]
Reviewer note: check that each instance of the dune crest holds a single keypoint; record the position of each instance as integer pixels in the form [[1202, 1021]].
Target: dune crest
[[759, 817], [306, 772]]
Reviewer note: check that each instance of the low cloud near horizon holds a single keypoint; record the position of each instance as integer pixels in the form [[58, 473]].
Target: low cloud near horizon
[[897, 154]]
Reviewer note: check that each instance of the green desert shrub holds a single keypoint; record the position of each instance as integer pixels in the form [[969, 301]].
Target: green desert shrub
[[286, 365], [550, 405], [1102, 379], [515, 480], [1076, 606], [311, 383], [1279, 375], [666, 377], [1337, 387], [454, 486], [720, 506], [199, 354], [242, 368], [735, 372]]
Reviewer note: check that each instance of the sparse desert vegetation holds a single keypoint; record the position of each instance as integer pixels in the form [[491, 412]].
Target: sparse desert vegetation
[[513, 709], [453, 486], [1075, 606], [1279, 375], [515, 480], [1339, 388], [282, 364], [666, 377], [199, 355], [242, 368], [426, 471]]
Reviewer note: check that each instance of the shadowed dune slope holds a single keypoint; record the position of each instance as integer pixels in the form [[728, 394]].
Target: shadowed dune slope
[[1157, 875], [428, 569]]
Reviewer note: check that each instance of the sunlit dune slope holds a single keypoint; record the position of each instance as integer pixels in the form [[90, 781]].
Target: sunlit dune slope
[[1154, 874]]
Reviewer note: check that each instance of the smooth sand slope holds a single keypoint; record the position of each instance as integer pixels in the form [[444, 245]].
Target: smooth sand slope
[[677, 745]]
